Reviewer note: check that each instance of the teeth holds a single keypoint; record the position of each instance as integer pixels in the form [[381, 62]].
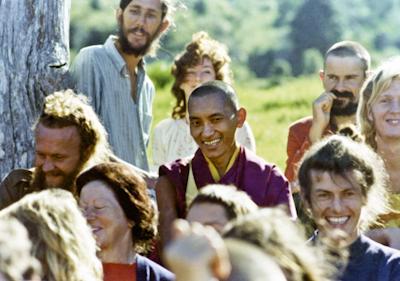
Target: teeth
[[393, 121], [337, 220], [211, 142]]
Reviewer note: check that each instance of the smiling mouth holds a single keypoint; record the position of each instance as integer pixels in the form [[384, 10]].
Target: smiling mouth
[[337, 221], [212, 142], [393, 121]]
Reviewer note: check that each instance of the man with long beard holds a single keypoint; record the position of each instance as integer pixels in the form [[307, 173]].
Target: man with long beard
[[114, 78], [346, 66], [68, 138]]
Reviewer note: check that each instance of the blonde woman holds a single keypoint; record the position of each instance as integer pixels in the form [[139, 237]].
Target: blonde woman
[[61, 239], [379, 121]]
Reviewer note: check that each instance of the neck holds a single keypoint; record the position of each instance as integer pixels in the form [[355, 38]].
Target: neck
[[122, 253], [343, 120], [222, 163], [131, 61]]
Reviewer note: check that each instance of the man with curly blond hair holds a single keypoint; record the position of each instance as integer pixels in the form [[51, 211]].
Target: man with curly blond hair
[[69, 138]]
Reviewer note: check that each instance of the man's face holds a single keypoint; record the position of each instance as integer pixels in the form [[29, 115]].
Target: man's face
[[140, 23], [211, 214], [213, 125], [57, 157], [336, 204], [343, 76]]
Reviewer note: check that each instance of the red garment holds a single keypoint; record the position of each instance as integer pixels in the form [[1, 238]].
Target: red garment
[[119, 272], [298, 143]]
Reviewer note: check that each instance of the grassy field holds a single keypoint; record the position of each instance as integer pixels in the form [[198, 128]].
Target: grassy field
[[269, 112]]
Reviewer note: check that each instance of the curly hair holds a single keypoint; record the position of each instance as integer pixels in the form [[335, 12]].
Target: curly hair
[[61, 239], [272, 230], [340, 155], [202, 46], [65, 108], [373, 87], [131, 193]]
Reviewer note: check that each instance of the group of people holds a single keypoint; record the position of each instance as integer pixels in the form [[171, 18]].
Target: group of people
[[90, 208]]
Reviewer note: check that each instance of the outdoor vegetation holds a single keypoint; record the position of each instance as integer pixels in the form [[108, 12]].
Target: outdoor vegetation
[[276, 48]]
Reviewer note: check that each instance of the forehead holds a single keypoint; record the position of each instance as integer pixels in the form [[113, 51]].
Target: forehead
[[393, 88], [208, 105], [206, 212], [57, 138], [328, 181], [205, 62], [146, 4], [347, 65], [97, 189]]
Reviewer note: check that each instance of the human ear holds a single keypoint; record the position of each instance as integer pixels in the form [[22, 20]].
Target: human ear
[[241, 117]]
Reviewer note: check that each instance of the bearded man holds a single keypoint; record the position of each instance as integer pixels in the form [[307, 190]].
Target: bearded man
[[346, 66], [113, 76]]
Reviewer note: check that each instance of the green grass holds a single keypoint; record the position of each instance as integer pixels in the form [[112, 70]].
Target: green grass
[[269, 112]]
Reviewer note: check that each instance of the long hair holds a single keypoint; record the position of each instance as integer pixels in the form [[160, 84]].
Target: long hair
[[373, 87], [61, 239], [202, 46]]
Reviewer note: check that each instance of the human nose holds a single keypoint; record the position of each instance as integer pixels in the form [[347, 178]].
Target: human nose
[[208, 130], [395, 106], [88, 213], [340, 85], [47, 165], [337, 204]]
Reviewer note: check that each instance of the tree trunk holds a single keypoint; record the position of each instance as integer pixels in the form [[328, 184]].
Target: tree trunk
[[34, 53]]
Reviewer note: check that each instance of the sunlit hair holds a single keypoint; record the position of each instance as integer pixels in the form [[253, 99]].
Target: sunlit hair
[[61, 239], [168, 8], [236, 203], [131, 193], [339, 155], [379, 81], [16, 261], [281, 238], [65, 108], [202, 46], [350, 49], [219, 88]]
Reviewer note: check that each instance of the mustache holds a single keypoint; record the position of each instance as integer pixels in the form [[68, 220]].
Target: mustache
[[345, 94], [138, 29]]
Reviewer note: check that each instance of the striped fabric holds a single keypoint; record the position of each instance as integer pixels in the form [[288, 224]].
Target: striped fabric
[[101, 73]]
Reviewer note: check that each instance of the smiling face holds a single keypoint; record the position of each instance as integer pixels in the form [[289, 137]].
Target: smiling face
[[385, 112], [105, 216], [196, 75], [336, 203], [140, 23], [213, 125], [343, 76], [57, 156]]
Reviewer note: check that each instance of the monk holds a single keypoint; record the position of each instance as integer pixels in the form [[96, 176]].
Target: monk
[[214, 116]]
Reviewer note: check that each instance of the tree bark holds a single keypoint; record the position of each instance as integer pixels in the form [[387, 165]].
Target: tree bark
[[34, 54]]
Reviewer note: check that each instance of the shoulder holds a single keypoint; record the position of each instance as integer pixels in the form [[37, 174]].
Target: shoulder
[[375, 248], [16, 177], [174, 168], [301, 124], [91, 52], [149, 270], [256, 162]]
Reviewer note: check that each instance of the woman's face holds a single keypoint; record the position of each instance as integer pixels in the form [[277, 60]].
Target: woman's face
[[196, 75], [385, 112], [104, 215]]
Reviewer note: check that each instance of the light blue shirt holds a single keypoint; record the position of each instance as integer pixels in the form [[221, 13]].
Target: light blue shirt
[[101, 73]]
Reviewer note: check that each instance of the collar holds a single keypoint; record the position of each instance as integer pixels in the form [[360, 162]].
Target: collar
[[116, 57], [213, 170]]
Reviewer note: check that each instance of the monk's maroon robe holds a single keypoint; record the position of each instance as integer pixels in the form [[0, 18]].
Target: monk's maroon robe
[[263, 182]]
